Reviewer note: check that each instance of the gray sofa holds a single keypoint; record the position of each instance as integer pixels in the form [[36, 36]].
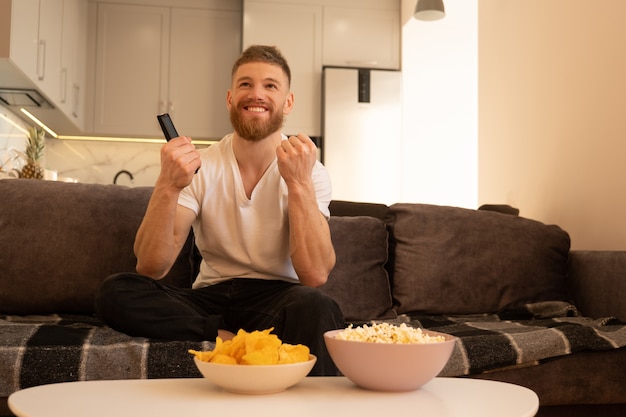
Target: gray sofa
[[525, 308]]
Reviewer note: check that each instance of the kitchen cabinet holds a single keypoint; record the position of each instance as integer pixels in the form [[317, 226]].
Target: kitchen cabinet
[[49, 48], [73, 60], [360, 37], [25, 36], [45, 46], [151, 60], [296, 31], [317, 33], [36, 43]]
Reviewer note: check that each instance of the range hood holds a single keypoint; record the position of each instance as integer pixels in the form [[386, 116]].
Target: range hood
[[23, 97]]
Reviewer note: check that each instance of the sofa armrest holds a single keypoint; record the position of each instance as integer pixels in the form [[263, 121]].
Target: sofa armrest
[[597, 282]]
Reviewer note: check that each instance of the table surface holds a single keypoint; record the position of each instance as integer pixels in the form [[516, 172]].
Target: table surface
[[314, 396]]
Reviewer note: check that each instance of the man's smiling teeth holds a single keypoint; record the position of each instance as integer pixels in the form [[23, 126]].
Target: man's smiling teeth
[[256, 109]]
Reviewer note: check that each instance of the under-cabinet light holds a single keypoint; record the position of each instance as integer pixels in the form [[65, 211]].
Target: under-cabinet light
[[38, 122], [104, 138]]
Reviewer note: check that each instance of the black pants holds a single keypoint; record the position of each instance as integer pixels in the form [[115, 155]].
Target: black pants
[[140, 306]]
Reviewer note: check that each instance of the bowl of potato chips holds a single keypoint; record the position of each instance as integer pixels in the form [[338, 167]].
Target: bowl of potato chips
[[255, 362], [386, 357]]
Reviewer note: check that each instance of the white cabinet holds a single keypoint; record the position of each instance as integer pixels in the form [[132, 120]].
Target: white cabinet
[[25, 36], [46, 46], [36, 42], [131, 68], [360, 37], [49, 48], [152, 60], [204, 44], [296, 31], [317, 33], [73, 60]]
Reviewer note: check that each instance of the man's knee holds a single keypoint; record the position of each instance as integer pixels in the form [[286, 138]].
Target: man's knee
[[114, 286], [318, 304]]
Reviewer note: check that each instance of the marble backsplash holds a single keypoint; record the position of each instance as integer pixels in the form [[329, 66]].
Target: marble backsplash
[[82, 161], [100, 162], [12, 140]]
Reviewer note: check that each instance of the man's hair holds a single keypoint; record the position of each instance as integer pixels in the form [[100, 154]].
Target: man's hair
[[263, 53]]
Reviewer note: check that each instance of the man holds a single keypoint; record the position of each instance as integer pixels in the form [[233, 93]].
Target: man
[[258, 206]]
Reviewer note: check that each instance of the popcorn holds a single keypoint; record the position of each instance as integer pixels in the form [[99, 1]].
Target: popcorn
[[387, 333]]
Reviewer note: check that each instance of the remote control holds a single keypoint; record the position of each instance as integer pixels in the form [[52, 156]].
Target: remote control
[[169, 131], [167, 126]]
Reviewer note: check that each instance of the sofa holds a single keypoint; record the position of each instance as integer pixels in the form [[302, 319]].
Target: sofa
[[524, 307]]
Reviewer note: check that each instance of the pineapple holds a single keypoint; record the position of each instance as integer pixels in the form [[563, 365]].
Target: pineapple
[[34, 153]]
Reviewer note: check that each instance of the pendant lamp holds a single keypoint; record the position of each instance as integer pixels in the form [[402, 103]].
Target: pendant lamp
[[429, 10]]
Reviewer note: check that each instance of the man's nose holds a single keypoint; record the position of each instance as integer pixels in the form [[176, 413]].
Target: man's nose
[[257, 92]]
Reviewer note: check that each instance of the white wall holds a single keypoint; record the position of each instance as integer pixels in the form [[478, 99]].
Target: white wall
[[440, 102], [552, 100]]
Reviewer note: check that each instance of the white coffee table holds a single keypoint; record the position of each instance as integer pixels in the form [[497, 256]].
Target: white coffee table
[[315, 396]]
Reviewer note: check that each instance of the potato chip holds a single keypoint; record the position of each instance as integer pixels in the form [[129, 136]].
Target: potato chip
[[292, 353], [259, 347], [265, 356], [222, 358]]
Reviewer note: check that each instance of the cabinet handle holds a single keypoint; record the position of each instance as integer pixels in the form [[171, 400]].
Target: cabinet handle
[[63, 85], [170, 107], [75, 99], [41, 60]]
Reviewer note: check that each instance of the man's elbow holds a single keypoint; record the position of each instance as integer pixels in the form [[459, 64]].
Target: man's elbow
[[149, 270], [316, 277]]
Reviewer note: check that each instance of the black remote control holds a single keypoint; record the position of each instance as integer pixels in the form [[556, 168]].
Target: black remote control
[[167, 126], [169, 131]]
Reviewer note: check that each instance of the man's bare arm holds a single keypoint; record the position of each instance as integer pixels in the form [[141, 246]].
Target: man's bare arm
[[166, 225], [311, 249]]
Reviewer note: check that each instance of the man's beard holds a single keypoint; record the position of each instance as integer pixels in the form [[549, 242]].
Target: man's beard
[[255, 129]]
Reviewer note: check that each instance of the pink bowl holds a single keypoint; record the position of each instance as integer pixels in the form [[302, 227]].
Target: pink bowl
[[389, 366]]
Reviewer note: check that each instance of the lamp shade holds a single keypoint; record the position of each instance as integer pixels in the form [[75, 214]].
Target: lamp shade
[[429, 10]]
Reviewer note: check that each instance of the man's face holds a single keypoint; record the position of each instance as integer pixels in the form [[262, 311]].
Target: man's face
[[258, 100]]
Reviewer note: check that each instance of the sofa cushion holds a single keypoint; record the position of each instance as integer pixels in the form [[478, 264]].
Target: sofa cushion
[[60, 240], [359, 282], [451, 260]]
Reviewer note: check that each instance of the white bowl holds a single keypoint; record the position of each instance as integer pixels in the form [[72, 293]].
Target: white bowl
[[389, 366], [255, 379]]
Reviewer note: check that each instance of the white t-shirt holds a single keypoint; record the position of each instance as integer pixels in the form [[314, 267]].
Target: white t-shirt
[[241, 237]]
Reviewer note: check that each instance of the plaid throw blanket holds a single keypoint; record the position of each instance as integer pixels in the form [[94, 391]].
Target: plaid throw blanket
[[524, 337], [37, 350]]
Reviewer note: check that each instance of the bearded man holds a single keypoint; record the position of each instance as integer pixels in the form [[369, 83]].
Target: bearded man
[[258, 205]]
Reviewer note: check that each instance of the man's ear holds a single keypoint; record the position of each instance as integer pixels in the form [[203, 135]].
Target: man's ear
[[229, 100], [288, 104]]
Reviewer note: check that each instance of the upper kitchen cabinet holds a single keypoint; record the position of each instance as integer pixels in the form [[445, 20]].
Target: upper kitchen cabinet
[[25, 36], [151, 60], [36, 42], [362, 37], [73, 60], [296, 31], [45, 53]]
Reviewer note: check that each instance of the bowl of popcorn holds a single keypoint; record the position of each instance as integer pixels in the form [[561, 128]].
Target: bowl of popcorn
[[254, 363], [386, 357]]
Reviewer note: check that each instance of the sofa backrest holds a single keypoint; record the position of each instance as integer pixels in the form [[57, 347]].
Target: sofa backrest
[[444, 260], [60, 240]]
